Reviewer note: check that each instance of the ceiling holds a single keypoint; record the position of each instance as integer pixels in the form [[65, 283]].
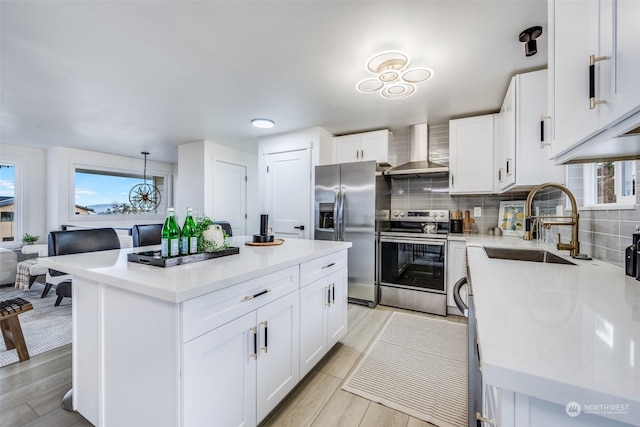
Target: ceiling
[[130, 76]]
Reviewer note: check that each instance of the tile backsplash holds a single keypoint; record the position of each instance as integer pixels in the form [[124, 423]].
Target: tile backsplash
[[603, 234]]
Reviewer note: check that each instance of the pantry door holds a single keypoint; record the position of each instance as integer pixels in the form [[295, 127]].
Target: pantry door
[[289, 193], [230, 195]]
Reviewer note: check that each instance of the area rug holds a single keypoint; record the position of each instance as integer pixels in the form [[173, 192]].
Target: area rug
[[418, 366], [44, 328]]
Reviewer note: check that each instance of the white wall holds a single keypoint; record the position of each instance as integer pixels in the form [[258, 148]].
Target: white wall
[[33, 208], [194, 188], [61, 164]]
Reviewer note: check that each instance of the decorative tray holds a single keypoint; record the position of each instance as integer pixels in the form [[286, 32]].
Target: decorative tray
[[154, 258]]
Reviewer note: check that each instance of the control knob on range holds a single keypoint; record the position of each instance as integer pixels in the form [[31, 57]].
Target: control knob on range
[[396, 213]]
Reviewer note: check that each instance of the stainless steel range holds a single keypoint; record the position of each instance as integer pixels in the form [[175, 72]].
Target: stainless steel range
[[412, 261]]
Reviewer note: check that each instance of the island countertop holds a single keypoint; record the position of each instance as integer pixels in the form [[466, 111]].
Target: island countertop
[[561, 333], [184, 282]]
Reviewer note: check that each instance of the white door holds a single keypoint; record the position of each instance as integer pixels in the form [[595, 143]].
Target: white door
[[230, 195], [289, 193]]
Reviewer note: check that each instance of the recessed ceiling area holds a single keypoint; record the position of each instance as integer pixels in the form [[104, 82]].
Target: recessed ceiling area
[[132, 76]]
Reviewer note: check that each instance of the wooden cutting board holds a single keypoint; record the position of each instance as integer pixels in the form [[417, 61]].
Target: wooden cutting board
[[275, 242]]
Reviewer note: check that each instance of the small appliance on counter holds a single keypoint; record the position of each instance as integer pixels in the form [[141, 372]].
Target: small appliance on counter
[[266, 233], [456, 221]]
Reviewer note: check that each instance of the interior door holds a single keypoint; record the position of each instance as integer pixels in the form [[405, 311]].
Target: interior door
[[289, 193], [230, 195]]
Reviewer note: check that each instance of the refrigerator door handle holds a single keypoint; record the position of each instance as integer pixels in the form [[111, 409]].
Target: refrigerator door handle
[[341, 213], [336, 221]]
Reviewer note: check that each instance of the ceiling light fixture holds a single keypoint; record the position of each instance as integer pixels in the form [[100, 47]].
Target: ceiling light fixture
[[144, 197], [394, 79], [528, 37], [263, 123]]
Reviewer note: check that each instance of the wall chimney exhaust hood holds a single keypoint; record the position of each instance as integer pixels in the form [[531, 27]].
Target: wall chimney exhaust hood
[[419, 163]]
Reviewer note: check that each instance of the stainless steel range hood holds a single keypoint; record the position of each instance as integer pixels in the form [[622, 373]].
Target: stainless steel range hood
[[419, 163]]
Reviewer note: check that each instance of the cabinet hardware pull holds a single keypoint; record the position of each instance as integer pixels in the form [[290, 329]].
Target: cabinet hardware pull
[[254, 355], [333, 293], [592, 81], [328, 295], [357, 154], [266, 329], [482, 419], [328, 265], [508, 163], [452, 181], [250, 297], [542, 142], [499, 175], [362, 154]]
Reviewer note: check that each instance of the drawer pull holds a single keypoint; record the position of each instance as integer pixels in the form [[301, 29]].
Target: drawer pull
[[328, 265], [250, 297], [254, 355]]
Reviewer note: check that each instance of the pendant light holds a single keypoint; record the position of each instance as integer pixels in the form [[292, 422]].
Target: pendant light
[[144, 197]]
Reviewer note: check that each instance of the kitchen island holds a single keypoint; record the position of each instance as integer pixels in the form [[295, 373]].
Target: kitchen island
[[558, 344], [217, 342]]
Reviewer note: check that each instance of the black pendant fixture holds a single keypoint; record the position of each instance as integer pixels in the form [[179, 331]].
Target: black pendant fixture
[[144, 197], [528, 37]]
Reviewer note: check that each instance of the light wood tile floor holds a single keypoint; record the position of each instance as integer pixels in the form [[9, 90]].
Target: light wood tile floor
[[31, 391]]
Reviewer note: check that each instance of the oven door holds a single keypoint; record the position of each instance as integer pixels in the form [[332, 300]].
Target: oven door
[[413, 263]]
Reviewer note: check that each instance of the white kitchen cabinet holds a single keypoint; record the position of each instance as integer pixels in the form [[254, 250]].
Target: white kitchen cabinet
[[606, 30], [323, 308], [471, 155], [521, 157], [221, 356], [239, 371], [455, 271], [363, 147]]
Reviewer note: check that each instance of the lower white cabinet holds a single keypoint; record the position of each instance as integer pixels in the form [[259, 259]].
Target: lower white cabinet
[[323, 319], [455, 271]]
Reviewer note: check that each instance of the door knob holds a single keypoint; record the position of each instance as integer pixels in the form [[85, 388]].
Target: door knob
[[300, 227]]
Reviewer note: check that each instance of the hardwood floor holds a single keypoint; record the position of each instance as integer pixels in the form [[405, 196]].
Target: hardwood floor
[[31, 391]]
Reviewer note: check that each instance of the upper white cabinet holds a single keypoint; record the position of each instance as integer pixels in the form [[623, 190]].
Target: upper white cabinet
[[363, 146], [594, 69], [471, 155], [521, 155]]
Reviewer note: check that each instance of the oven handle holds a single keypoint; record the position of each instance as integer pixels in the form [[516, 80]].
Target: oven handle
[[458, 299], [412, 241]]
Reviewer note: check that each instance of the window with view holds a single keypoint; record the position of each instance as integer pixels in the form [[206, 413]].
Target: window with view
[[107, 193], [7, 202], [608, 183]]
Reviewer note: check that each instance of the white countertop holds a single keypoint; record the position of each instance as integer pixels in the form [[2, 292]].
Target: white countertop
[[561, 333], [180, 283]]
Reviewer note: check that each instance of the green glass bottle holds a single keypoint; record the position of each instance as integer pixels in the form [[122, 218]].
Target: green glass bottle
[[170, 243], [189, 238]]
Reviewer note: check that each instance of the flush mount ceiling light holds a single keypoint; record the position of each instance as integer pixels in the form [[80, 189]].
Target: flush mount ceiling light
[[393, 77], [528, 37], [263, 123]]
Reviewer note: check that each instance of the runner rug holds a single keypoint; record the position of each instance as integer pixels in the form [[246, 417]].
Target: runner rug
[[418, 366]]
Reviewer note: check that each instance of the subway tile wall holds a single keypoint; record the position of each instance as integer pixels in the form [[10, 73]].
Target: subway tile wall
[[604, 234]]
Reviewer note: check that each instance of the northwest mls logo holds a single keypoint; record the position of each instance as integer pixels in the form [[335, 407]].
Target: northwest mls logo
[[573, 409]]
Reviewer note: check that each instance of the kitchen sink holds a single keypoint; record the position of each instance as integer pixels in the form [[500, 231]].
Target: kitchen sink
[[532, 255]]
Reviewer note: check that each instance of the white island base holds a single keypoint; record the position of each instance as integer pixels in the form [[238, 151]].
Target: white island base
[[226, 357]]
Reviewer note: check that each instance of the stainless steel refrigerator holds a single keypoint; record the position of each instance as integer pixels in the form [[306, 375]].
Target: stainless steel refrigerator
[[352, 202]]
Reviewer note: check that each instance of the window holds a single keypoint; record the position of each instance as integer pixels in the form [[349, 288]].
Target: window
[[610, 183], [7, 202], [101, 192]]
